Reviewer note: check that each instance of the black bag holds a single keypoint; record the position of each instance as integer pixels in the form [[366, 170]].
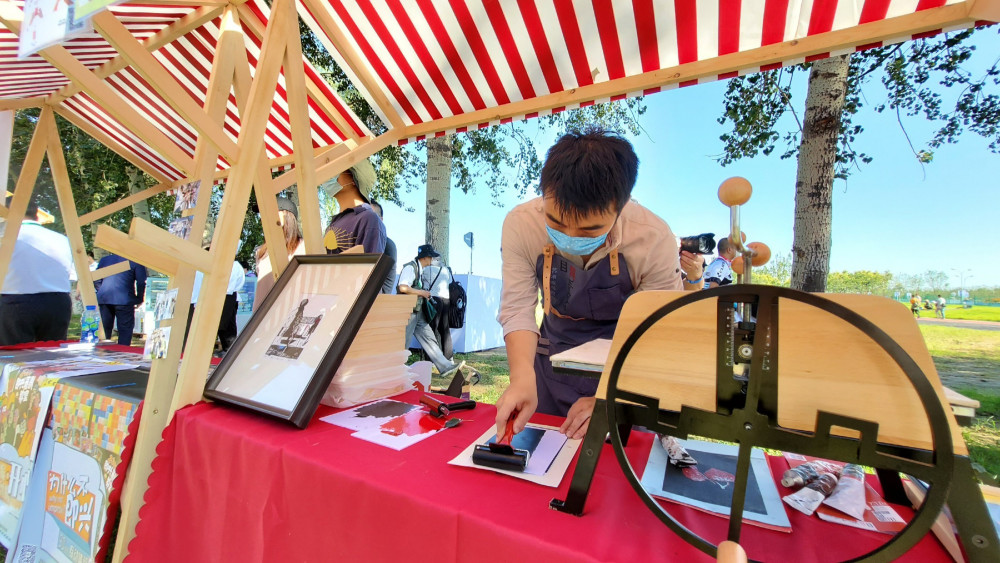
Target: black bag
[[458, 301], [430, 309]]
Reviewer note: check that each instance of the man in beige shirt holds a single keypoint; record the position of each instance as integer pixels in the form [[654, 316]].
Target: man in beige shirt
[[587, 247]]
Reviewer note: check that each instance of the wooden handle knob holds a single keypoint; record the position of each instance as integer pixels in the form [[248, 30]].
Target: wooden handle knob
[[735, 191], [731, 552]]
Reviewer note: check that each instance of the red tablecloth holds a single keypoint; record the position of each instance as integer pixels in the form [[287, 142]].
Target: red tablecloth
[[229, 485]]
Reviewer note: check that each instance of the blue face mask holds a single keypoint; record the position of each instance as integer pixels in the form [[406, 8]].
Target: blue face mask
[[575, 246]]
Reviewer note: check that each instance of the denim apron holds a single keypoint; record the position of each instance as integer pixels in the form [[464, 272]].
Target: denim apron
[[580, 306]]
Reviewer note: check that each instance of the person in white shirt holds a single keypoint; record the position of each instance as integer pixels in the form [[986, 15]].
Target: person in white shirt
[[720, 271], [409, 283], [227, 323], [35, 304]]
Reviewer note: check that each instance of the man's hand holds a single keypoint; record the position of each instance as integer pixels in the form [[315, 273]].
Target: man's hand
[[422, 293], [578, 418], [521, 396], [692, 264]]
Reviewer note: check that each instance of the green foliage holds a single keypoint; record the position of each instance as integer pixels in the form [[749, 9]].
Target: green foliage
[[777, 271], [862, 282], [98, 176], [912, 75]]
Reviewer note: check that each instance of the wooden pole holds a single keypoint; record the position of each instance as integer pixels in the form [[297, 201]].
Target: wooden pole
[[23, 190], [67, 205], [157, 410]]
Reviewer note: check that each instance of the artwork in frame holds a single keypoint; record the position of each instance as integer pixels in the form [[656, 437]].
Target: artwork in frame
[[285, 358]]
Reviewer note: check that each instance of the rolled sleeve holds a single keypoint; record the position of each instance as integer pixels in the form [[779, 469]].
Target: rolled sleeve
[[519, 297], [662, 268]]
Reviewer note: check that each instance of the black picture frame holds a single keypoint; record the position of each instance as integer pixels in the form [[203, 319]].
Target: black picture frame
[[242, 378]]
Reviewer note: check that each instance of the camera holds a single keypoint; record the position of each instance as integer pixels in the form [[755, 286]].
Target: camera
[[699, 244]]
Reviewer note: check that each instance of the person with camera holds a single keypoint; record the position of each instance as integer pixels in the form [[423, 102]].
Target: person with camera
[[720, 271], [587, 246]]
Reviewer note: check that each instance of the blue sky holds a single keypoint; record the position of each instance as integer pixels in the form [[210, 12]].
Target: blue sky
[[891, 215]]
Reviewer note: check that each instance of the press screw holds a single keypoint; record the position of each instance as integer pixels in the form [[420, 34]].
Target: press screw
[[590, 453], [747, 426], [156, 411], [979, 541]]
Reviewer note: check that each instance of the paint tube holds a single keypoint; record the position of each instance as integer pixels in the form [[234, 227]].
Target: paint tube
[[810, 471], [849, 496], [676, 452], [807, 499]]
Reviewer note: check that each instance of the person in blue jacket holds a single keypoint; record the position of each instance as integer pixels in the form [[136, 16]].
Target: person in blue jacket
[[118, 296]]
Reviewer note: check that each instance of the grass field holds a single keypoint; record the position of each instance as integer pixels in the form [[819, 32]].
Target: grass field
[[976, 313]]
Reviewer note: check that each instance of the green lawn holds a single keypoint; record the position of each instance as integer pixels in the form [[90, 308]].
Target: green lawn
[[955, 312]]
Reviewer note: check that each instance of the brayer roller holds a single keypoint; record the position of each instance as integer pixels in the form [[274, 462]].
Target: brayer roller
[[500, 454]]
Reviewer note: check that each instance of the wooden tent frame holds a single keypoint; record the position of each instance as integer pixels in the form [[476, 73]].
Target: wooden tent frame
[[173, 383]]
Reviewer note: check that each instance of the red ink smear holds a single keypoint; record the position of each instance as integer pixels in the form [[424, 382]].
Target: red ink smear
[[408, 424], [693, 474], [719, 475]]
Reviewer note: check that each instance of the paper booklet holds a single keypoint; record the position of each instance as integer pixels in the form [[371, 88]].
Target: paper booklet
[[708, 485]]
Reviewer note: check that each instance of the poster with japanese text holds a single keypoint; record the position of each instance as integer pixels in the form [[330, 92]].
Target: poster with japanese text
[[47, 23], [70, 516]]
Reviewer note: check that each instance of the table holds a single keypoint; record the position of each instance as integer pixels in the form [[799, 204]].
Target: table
[[230, 485]]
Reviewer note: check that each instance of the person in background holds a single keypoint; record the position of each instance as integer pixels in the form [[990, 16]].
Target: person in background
[[939, 306], [35, 305], [227, 322], [433, 334], [409, 284], [119, 295], [587, 246], [356, 224], [91, 263], [915, 305], [720, 271], [288, 218], [390, 251]]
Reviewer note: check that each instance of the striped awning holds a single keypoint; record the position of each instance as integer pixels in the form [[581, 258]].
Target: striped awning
[[189, 59], [435, 59]]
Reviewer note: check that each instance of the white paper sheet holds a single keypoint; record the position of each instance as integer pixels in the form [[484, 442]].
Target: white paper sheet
[[553, 451], [369, 416]]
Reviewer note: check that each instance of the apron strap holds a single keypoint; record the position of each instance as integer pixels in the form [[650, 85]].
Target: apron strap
[[614, 262], [547, 278]]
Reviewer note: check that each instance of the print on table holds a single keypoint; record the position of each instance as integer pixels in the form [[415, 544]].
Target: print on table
[[296, 331]]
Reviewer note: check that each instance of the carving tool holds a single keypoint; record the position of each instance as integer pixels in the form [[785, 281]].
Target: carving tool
[[500, 454], [441, 409]]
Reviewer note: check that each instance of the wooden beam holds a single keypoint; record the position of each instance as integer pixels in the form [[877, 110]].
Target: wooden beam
[[337, 165], [270, 221], [187, 252], [160, 79], [321, 14], [182, 26], [910, 24], [229, 226], [305, 164], [123, 203], [163, 375], [109, 100], [67, 205], [23, 190], [328, 155], [22, 103], [109, 142], [116, 268], [255, 26], [119, 243]]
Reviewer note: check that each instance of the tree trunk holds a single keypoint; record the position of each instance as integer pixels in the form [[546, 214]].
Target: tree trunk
[[438, 193], [140, 209], [814, 181]]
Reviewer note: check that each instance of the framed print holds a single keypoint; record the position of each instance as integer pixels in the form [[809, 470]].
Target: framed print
[[285, 358]]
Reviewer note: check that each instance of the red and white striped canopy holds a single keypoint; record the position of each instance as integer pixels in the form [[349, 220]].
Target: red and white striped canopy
[[440, 58], [187, 58]]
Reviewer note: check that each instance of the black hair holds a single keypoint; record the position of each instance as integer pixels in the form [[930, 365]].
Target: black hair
[[588, 171], [725, 245]]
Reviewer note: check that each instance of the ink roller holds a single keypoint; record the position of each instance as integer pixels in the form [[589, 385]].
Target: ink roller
[[501, 455], [440, 408]]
